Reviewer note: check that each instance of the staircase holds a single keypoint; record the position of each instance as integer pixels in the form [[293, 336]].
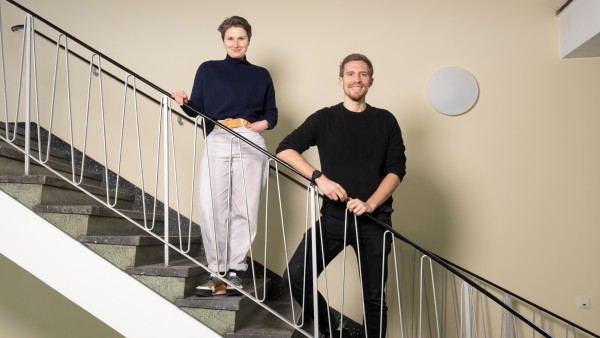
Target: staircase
[[132, 258], [133, 249]]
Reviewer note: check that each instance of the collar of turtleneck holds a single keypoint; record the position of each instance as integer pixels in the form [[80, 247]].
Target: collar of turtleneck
[[235, 61]]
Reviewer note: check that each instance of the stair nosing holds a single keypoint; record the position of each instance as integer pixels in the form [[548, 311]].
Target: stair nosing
[[135, 240], [14, 154], [228, 303], [179, 268], [35, 148], [124, 194], [93, 210]]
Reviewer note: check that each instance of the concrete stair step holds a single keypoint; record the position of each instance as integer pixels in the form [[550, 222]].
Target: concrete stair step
[[232, 303], [88, 220], [177, 283], [20, 129], [264, 324], [176, 268], [129, 251], [224, 314], [177, 280], [12, 163], [56, 154], [49, 190]]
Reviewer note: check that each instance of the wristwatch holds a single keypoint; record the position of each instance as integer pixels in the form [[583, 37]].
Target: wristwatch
[[316, 174]]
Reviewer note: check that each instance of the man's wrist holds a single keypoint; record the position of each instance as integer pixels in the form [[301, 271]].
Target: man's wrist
[[315, 174], [370, 206]]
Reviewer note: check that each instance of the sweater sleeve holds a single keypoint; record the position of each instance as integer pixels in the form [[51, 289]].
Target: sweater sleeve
[[395, 161], [270, 112], [196, 100], [302, 137]]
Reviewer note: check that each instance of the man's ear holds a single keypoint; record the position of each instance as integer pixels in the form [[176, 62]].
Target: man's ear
[[370, 84], [340, 82]]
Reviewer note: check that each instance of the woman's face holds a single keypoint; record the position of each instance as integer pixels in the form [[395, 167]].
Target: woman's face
[[236, 42]]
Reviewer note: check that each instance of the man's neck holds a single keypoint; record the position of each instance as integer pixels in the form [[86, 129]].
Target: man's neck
[[355, 106]]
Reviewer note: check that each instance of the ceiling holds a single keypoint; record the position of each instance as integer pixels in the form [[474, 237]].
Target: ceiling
[[579, 28]]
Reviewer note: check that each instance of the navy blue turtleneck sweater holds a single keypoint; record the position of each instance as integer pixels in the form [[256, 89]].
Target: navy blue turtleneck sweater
[[233, 88]]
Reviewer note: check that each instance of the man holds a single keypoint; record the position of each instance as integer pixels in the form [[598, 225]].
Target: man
[[362, 161]]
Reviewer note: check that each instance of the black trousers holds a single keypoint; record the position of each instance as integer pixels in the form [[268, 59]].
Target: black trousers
[[373, 267]]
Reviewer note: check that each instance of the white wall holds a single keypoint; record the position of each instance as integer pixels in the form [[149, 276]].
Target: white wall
[[82, 276], [30, 308]]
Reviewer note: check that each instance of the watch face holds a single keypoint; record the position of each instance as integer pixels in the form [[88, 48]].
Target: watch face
[[316, 174]]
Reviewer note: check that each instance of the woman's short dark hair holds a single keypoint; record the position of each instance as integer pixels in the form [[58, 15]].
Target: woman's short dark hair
[[235, 21], [356, 57]]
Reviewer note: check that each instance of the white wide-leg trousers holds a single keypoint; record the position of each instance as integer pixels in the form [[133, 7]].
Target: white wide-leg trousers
[[232, 177]]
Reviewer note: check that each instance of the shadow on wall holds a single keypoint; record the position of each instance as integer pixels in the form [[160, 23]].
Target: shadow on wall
[[422, 208], [285, 125]]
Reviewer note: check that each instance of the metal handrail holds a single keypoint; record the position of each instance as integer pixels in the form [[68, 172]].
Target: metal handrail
[[562, 8]]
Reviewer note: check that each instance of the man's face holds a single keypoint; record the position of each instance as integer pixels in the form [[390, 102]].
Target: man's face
[[236, 42], [355, 80]]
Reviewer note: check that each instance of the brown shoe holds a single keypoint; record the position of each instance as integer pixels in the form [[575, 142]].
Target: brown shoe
[[212, 287]]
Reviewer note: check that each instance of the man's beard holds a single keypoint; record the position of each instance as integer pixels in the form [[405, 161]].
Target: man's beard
[[356, 97]]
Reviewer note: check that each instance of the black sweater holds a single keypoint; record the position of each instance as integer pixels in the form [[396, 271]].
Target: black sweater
[[356, 150]]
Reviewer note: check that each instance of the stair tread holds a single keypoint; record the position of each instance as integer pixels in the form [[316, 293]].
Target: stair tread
[[20, 130], [10, 152], [178, 268], [135, 240], [35, 150], [265, 324], [94, 210], [223, 302], [124, 194]]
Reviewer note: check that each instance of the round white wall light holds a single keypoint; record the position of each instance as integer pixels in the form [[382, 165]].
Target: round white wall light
[[452, 90]]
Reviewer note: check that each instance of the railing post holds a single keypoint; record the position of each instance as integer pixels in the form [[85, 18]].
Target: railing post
[[28, 42], [166, 110], [466, 289], [506, 317], [315, 284]]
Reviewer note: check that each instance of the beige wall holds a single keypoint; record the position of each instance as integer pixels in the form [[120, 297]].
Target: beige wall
[[30, 308], [507, 190]]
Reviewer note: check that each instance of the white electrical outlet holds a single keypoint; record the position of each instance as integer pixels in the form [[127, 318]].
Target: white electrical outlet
[[583, 302]]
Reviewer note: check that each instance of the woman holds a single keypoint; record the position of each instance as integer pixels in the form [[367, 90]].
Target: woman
[[240, 96]]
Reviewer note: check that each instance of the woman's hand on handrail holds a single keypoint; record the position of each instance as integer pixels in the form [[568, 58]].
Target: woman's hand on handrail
[[180, 97]]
